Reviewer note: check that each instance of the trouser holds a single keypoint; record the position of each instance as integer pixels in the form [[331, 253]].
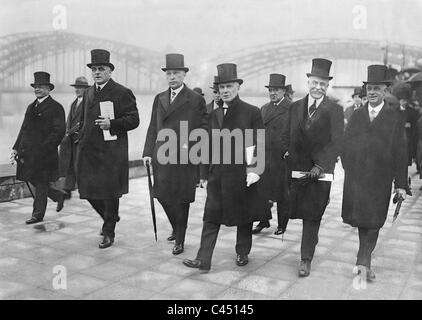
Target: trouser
[[177, 214], [282, 214], [41, 192], [367, 242], [209, 239], [108, 209], [310, 231]]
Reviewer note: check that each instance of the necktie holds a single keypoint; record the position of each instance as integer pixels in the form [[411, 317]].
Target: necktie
[[372, 115], [173, 95], [98, 89], [312, 109], [225, 108]]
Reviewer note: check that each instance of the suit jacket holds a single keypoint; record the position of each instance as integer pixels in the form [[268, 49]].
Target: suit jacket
[[174, 183], [410, 117], [103, 166], [374, 155], [229, 201], [313, 141], [41, 132]]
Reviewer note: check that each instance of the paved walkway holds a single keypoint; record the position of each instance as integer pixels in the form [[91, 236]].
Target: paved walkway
[[137, 267]]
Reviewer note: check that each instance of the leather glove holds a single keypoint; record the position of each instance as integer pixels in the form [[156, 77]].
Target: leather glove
[[315, 173], [251, 178], [400, 193], [303, 181], [146, 160]]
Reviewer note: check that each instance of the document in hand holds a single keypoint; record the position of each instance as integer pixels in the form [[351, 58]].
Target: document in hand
[[249, 155], [324, 177], [107, 110]]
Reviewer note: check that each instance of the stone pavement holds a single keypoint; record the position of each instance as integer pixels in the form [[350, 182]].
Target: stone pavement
[[137, 267]]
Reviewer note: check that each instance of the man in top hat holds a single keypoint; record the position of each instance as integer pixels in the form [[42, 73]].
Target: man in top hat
[[175, 183], [357, 103], [316, 131], [68, 147], [289, 92], [374, 157], [35, 149], [109, 112], [232, 189], [215, 95], [275, 115]]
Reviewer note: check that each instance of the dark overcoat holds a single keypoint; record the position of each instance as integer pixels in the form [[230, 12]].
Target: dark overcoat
[[374, 155], [175, 183], [313, 141], [229, 201], [68, 147], [410, 116], [276, 123], [41, 132], [103, 166]]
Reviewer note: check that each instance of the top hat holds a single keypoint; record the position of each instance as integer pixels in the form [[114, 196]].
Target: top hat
[[277, 80], [100, 57], [377, 73], [80, 82], [175, 61], [357, 91], [320, 68], [198, 91], [227, 72], [289, 89], [215, 83], [42, 78], [363, 91]]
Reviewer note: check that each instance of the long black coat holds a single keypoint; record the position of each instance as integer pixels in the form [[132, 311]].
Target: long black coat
[[374, 155], [68, 147], [103, 166], [314, 141], [410, 116], [276, 123], [229, 201], [42, 130], [175, 183]]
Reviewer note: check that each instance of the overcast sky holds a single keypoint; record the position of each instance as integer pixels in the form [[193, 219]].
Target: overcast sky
[[211, 27]]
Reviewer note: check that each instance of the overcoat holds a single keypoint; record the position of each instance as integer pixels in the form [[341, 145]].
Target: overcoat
[[175, 182], [313, 141], [410, 116], [276, 123], [229, 201], [103, 166], [374, 155], [41, 132]]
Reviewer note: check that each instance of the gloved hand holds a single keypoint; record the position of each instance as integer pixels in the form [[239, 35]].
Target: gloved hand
[[315, 173], [251, 178], [400, 193], [202, 183], [146, 160], [303, 181]]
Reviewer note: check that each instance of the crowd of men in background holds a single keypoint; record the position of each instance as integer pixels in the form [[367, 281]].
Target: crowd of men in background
[[376, 138]]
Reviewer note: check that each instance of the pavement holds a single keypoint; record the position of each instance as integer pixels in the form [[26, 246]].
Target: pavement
[[61, 259]]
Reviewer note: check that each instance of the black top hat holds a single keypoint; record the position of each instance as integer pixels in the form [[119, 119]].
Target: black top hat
[[289, 89], [277, 80], [215, 83], [198, 91], [175, 61], [80, 82], [227, 72], [42, 78], [377, 73], [100, 57], [320, 68], [357, 91]]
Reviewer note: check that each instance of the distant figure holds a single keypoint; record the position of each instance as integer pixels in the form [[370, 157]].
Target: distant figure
[[68, 147], [35, 149], [198, 91], [216, 96], [289, 92], [357, 103]]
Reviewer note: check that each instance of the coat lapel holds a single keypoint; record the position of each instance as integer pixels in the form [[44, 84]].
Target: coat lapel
[[180, 100], [279, 110], [165, 100]]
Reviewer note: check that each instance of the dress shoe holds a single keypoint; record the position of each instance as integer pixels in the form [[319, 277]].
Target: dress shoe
[[60, 203], [304, 268], [33, 220], [363, 270], [242, 260], [196, 264], [178, 249], [171, 237], [260, 226], [279, 231], [107, 242]]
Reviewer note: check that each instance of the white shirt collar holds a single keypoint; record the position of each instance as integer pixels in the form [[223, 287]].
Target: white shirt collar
[[80, 99], [214, 105], [177, 90], [101, 85], [377, 109], [42, 99], [278, 103], [311, 101]]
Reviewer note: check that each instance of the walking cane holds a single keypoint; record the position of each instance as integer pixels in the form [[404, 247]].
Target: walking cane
[[151, 199]]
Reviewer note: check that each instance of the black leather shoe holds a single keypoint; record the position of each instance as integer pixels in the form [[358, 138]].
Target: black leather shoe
[[107, 242], [242, 260], [60, 203], [279, 231], [259, 227], [304, 268], [33, 220], [178, 249], [171, 237], [195, 264]]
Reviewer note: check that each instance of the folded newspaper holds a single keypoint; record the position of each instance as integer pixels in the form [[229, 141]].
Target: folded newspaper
[[324, 177], [107, 110]]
